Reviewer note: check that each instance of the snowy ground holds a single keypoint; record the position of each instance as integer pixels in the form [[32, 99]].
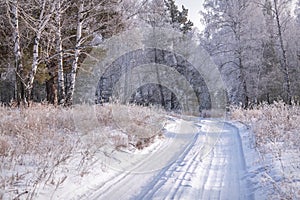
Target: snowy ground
[[200, 159], [274, 132], [194, 159]]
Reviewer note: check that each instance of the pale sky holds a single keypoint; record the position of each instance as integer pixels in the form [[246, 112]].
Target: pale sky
[[194, 7]]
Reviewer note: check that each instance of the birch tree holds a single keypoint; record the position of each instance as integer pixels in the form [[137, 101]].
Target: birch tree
[[80, 18], [60, 71], [46, 8], [224, 38], [59, 49], [93, 17], [13, 13], [250, 39], [47, 40], [279, 11]]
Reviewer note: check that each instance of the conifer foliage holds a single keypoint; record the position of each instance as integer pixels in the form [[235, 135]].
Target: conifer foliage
[[178, 19]]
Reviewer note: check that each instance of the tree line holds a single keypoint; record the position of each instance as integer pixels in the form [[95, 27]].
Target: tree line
[[43, 42], [255, 44]]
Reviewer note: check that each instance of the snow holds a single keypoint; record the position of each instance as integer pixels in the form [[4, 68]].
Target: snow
[[274, 177], [201, 159], [195, 159]]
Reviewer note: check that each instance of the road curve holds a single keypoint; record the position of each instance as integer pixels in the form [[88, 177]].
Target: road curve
[[204, 160]]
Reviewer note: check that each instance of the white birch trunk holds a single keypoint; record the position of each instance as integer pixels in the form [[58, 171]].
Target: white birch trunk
[[70, 93], [59, 49], [43, 20], [34, 64], [14, 17]]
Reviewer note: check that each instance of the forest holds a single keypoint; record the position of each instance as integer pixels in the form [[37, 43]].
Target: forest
[[255, 45], [61, 59]]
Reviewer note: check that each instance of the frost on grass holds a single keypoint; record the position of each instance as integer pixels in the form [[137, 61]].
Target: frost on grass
[[277, 138], [37, 144]]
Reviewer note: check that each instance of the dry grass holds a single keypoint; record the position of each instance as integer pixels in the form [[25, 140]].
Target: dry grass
[[272, 123], [36, 140], [277, 136]]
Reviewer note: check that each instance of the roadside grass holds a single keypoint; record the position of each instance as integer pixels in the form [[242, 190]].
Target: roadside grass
[[277, 138], [36, 141]]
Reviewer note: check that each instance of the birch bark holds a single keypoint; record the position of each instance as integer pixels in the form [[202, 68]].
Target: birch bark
[[59, 49], [43, 20], [13, 7], [71, 89]]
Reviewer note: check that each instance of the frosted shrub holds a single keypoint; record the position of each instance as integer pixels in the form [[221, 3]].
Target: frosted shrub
[[36, 142], [277, 134], [4, 147], [272, 123]]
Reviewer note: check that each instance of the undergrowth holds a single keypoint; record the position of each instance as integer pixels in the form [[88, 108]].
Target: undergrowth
[[36, 140], [277, 136]]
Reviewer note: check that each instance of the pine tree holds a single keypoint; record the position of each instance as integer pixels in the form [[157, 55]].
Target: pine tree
[[178, 19]]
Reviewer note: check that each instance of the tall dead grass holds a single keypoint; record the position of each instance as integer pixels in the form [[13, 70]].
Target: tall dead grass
[[36, 140], [272, 123], [277, 135]]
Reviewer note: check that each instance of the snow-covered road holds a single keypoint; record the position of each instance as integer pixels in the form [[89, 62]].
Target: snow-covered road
[[198, 160]]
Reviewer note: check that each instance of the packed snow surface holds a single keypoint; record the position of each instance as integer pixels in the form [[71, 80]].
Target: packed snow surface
[[197, 159]]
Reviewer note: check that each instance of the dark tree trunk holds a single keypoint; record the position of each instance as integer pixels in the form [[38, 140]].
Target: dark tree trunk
[[173, 101], [160, 87], [283, 62], [51, 91]]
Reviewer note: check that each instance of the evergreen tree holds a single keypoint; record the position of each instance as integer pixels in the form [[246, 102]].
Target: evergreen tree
[[178, 19]]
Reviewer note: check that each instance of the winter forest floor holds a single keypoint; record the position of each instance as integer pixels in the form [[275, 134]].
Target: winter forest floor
[[37, 143], [50, 152], [276, 138]]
